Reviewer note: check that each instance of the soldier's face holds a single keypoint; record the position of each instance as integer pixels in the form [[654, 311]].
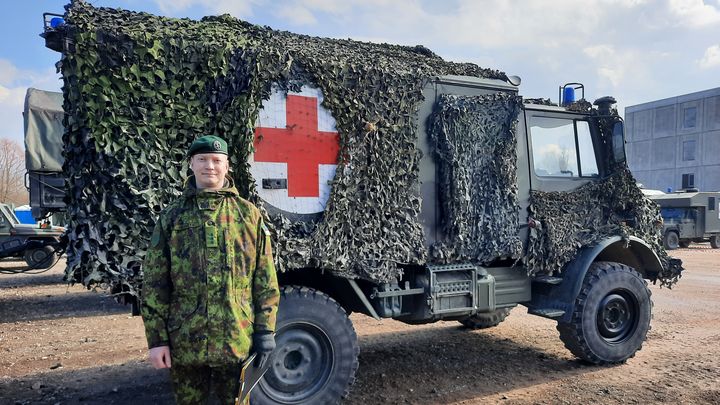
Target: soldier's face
[[209, 169]]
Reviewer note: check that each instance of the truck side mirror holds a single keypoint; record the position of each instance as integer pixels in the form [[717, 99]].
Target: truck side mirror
[[618, 142]]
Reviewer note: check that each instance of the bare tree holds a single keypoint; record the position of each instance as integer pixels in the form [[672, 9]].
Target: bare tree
[[564, 159], [12, 173]]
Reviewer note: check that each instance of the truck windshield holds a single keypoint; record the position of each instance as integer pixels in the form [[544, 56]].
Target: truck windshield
[[9, 215], [562, 148]]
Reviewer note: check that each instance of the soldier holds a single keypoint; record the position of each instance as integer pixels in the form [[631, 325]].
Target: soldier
[[210, 291]]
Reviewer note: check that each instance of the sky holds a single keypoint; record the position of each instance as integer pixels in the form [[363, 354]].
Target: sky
[[635, 50]]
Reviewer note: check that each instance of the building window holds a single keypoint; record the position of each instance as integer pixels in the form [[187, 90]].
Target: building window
[[688, 152], [665, 120], [689, 117], [711, 203], [688, 180]]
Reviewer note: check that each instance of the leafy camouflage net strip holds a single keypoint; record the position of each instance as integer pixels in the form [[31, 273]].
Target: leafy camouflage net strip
[[585, 216], [475, 145], [138, 88]]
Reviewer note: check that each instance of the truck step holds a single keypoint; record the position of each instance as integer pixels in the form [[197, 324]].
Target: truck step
[[547, 312], [547, 280]]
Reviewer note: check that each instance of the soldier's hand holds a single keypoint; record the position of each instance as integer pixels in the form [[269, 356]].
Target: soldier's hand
[[160, 357], [263, 345]]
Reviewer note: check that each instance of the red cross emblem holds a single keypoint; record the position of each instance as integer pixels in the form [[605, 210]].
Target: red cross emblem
[[301, 145]]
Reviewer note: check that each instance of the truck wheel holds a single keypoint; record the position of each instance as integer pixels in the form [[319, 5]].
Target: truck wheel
[[715, 241], [316, 355], [486, 320], [40, 258], [611, 316], [671, 240]]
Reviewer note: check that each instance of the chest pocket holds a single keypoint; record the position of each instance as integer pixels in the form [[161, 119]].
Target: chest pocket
[[185, 228], [187, 253], [240, 239]]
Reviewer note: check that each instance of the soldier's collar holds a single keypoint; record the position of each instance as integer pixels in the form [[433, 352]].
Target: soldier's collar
[[192, 190]]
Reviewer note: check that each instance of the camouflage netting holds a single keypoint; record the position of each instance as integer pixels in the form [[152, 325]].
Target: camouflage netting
[[475, 145], [583, 217], [138, 88]]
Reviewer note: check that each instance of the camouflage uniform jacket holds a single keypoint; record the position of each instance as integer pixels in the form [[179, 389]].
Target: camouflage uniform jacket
[[209, 278]]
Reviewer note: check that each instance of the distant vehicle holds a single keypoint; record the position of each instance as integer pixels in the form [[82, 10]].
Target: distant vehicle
[[690, 217], [37, 246]]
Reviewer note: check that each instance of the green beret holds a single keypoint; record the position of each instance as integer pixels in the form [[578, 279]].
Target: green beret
[[208, 144]]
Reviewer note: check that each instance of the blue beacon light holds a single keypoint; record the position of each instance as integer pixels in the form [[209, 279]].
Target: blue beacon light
[[568, 95], [56, 22]]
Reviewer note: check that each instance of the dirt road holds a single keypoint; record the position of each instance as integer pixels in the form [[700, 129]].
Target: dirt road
[[65, 345]]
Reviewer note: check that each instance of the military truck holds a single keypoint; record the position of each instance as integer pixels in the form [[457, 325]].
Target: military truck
[[397, 185], [43, 116], [37, 246], [690, 216]]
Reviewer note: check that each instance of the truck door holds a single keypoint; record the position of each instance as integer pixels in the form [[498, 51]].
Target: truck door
[[459, 86], [561, 150], [688, 225]]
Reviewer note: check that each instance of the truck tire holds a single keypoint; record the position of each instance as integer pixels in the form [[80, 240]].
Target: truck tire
[[671, 240], [40, 258], [715, 241], [316, 355], [611, 315], [486, 320]]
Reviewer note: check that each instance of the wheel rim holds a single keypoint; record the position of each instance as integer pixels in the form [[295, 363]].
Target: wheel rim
[[301, 364], [39, 257], [673, 240], [617, 316]]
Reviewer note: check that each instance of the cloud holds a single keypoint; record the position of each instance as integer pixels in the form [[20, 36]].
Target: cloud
[[711, 58], [237, 8], [610, 64], [618, 66], [328, 6], [626, 3], [8, 72], [297, 15], [14, 83], [695, 13], [490, 23], [305, 12]]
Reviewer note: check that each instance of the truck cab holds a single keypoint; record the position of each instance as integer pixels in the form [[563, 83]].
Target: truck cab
[[39, 247]]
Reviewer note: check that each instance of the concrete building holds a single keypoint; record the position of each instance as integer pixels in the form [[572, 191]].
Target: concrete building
[[675, 142]]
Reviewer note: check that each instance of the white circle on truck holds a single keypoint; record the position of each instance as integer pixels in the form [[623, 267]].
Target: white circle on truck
[[295, 151]]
